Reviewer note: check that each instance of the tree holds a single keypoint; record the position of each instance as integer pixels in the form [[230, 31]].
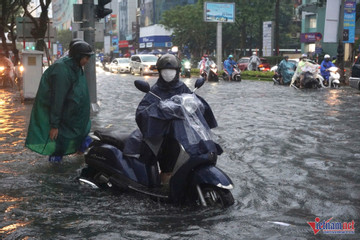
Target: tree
[[10, 9], [64, 37], [40, 29], [191, 30]]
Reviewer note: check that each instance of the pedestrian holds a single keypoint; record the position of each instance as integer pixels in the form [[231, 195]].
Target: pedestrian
[[153, 121], [254, 62], [60, 118], [286, 69]]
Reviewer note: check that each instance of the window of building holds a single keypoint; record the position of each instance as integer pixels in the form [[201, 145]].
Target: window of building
[[312, 22]]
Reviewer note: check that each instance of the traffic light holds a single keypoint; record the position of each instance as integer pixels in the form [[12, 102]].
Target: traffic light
[[101, 11]]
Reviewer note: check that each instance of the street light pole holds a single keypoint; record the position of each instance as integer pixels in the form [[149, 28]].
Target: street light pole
[[88, 26]]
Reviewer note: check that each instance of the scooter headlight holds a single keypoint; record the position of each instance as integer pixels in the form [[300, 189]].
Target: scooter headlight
[[21, 68], [2, 68], [187, 65]]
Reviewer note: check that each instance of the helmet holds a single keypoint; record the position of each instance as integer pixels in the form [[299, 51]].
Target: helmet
[[80, 49], [231, 56], [168, 61], [75, 40], [254, 53], [304, 55], [327, 56]]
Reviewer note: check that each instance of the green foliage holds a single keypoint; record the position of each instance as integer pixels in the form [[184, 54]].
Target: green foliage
[[64, 37], [190, 29], [250, 75]]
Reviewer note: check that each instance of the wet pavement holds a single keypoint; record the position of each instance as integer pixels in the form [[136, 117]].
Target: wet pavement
[[293, 156]]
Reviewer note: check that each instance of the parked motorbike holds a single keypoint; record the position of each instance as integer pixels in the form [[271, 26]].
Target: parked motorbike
[[186, 69], [195, 177], [235, 76]]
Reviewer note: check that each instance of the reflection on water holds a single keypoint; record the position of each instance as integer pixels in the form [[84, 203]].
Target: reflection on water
[[292, 155]]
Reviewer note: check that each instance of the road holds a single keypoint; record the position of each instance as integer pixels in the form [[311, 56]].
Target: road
[[293, 156]]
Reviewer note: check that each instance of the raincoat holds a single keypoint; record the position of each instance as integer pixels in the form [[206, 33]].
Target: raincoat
[[153, 121], [62, 101], [229, 65], [325, 65], [286, 69], [254, 62]]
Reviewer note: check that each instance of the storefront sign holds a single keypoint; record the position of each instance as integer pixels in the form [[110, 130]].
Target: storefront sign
[[310, 37], [123, 44]]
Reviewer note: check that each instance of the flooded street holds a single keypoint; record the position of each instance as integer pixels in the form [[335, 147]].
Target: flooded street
[[293, 156]]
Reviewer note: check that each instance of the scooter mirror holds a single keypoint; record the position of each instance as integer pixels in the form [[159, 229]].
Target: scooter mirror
[[142, 86], [199, 82]]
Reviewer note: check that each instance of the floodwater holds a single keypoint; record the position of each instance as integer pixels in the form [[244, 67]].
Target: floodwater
[[293, 156]]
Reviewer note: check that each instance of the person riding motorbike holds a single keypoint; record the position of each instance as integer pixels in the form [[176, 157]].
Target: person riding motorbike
[[202, 64], [254, 62], [324, 68], [286, 70], [299, 67], [153, 119], [229, 65]]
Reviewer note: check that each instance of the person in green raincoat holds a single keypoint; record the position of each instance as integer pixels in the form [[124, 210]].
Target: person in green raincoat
[[286, 69], [60, 118]]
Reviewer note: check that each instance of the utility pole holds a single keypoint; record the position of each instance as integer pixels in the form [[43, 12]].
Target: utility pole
[[340, 48], [277, 22], [87, 13], [88, 26]]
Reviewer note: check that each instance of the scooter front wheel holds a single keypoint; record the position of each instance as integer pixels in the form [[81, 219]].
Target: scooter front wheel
[[215, 197]]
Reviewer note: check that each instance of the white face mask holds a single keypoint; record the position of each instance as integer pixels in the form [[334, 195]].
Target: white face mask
[[168, 74]]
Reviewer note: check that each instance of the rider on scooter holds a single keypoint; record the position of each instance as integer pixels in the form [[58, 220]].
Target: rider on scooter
[[152, 119], [229, 65], [325, 65]]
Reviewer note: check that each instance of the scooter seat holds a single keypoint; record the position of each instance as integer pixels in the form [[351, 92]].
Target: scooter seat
[[115, 138]]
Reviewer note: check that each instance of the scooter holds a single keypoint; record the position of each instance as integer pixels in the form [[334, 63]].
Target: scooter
[[235, 76], [195, 177], [334, 79]]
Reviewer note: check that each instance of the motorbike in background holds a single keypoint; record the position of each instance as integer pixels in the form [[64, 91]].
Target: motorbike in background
[[195, 179], [309, 77], [235, 76], [334, 79], [186, 69]]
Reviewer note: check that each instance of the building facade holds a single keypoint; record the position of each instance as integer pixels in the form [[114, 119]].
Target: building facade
[[322, 26], [152, 35]]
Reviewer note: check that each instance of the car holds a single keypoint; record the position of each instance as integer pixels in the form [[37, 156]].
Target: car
[[119, 65], [143, 64], [354, 80], [244, 62], [295, 61]]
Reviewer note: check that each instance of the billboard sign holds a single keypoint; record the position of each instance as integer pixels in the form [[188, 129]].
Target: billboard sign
[[219, 12], [310, 37], [268, 36], [349, 21]]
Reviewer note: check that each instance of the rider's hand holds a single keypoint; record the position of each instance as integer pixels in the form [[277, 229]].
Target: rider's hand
[[53, 133]]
